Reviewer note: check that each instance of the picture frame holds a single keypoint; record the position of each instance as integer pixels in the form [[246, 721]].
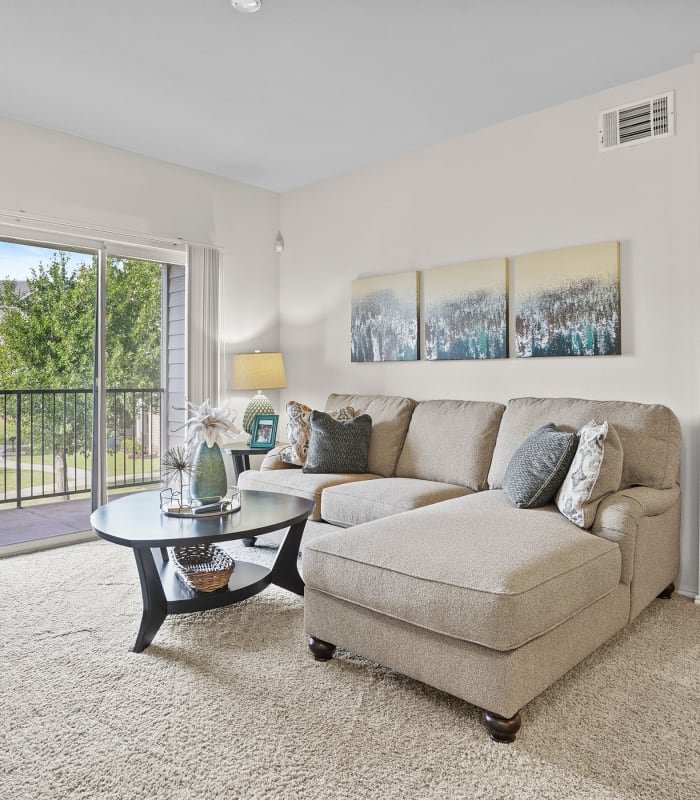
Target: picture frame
[[466, 311], [264, 432], [384, 318], [567, 302]]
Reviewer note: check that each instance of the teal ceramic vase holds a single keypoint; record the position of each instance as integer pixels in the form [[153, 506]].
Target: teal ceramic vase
[[208, 483]]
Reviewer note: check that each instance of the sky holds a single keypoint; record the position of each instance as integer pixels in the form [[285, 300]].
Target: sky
[[16, 260]]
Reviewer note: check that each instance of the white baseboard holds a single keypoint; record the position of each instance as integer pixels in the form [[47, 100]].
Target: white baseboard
[[46, 544], [688, 593]]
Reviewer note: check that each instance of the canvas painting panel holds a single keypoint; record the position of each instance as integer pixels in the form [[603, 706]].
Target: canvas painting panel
[[567, 302], [466, 310], [384, 318]]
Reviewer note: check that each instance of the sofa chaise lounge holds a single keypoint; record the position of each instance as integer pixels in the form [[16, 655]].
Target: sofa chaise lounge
[[424, 565]]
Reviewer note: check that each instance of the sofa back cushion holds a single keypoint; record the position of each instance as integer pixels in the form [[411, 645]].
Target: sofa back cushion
[[390, 418], [451, 441], [650, 435]]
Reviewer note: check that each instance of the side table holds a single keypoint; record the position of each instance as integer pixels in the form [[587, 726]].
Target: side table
[[240, 454]]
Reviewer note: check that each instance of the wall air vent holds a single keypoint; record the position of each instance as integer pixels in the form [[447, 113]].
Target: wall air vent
[[651, 118]]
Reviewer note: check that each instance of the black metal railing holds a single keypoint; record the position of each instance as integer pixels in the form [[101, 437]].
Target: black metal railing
[[46, 441]]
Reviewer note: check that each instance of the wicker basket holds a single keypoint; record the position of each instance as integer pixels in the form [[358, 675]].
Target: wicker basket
[[203, 567]]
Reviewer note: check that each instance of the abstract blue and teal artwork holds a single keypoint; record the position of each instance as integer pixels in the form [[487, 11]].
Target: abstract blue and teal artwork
[[567, 302], [384, 318], [466, 310]]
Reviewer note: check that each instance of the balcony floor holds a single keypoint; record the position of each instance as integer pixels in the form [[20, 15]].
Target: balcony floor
[[50, 524], [41, 522]]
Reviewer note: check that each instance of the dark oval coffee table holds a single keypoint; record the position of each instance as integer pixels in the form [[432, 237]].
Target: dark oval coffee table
[[136, 521]]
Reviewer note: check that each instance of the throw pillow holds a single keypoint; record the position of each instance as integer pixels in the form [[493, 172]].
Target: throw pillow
[[299, 431], [539, 466], [338, 445], [595, 472]]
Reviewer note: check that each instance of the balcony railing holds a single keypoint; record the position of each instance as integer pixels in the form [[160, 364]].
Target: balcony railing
[[46, 441]]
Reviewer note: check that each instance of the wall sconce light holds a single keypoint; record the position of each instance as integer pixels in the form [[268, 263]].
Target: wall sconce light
[[247, 6], [279, 243]]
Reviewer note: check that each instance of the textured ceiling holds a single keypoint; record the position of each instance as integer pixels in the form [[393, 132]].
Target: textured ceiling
[[307, 89]]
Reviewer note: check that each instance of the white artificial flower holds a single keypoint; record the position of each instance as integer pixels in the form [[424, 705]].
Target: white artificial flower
[[207, 424]]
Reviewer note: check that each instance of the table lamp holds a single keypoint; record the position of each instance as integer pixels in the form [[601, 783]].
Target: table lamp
[[258, 371]]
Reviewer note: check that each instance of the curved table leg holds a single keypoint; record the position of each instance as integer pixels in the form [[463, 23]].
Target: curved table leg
[[241, 463], [155, 606], [285, 569]]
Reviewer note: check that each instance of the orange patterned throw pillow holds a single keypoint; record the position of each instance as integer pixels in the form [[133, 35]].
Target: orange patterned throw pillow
[[299, 431]]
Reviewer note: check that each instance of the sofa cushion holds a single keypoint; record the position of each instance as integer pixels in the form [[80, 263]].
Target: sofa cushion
[[354, 503], [299, 431], [595, 472], [294, 481], [474, 568], [338, 445], [650, 435], [451, 441], [539, 466], [390, 418]]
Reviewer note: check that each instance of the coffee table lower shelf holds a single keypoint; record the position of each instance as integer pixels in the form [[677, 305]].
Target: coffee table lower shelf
[[164, 592], [246, 580]]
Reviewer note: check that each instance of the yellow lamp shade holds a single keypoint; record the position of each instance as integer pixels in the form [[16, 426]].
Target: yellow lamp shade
[[258, 371]]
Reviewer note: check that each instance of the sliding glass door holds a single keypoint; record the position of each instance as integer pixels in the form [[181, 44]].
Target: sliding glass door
[[81, 360]]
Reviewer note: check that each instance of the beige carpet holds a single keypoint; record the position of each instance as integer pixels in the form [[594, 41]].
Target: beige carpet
[[230, 704]]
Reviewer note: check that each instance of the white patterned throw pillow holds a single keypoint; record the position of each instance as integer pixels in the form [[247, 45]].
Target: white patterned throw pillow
[[299, 431], [595, 472]]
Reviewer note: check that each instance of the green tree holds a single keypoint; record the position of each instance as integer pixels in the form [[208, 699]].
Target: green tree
[[133, 323], [47, 333]]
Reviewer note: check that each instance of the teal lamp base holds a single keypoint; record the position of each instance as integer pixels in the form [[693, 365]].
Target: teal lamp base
[[258, 405]]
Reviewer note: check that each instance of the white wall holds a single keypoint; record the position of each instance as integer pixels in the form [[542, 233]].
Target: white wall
[[48, 174], [535, 183]]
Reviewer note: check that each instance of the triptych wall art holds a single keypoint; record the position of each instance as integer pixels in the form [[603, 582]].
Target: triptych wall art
[[566, 303]]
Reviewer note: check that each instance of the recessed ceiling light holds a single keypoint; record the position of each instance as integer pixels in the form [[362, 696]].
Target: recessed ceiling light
[[247, 6]]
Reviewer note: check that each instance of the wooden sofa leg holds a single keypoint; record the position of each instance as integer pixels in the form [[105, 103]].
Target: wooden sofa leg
[[502, 729], [667, 592], [322, 651]]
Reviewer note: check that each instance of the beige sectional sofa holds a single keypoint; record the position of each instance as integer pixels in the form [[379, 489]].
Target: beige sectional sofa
[[424, 565]]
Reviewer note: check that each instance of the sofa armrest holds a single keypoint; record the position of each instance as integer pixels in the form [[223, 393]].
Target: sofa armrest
[[272, 461], [619, 516]]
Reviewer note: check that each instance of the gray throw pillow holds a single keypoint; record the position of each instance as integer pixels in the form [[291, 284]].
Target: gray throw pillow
[[539, 467], [338, 445]]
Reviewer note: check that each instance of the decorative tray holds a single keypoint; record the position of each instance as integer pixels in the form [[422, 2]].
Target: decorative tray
[[172, 506]]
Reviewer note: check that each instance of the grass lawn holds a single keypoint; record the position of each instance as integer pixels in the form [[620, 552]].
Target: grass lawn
[[8, 479], [121, 469], [117, 463]]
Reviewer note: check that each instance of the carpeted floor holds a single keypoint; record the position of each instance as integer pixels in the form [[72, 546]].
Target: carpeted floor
[[230, 704]]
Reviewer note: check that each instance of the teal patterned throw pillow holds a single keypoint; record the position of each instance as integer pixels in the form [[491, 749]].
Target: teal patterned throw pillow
[[299, 431], [539, 467], [338, 446]]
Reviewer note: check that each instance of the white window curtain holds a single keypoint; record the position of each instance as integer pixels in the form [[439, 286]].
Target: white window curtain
[[203, 282]]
